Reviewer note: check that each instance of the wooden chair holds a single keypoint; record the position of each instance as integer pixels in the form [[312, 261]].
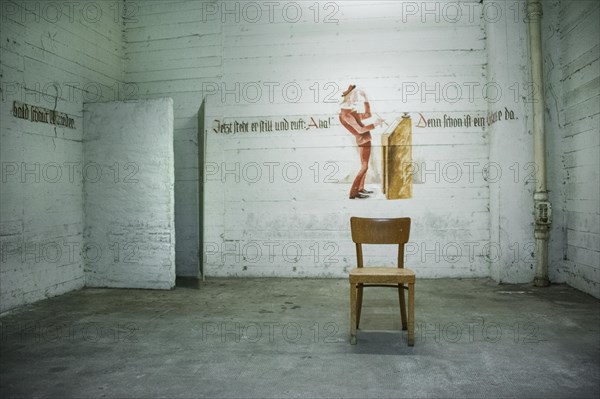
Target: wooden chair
[[381, 231]]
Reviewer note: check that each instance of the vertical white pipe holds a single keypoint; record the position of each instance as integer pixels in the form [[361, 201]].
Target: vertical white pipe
[[541, 203]]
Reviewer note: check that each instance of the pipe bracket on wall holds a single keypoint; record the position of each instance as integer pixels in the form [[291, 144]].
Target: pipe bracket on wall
[[543, 213]]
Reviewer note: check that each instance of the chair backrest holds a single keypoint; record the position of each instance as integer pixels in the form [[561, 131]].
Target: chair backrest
[[380, 231]]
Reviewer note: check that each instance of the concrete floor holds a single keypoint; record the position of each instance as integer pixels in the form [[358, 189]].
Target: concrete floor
[[267, 338]]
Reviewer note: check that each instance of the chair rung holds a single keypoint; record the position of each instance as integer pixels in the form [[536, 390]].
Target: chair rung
[[383, 285]]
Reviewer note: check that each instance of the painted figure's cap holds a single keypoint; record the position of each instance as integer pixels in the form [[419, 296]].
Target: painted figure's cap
[[350, 88]]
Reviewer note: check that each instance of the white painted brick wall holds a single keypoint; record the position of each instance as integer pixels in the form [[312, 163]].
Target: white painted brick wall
[[511, 144], [57, 61], [573, 114], [129, 197], [171, 50], [179, 49], [258, 229]]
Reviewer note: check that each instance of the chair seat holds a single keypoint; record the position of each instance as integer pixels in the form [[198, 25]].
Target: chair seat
[[381, 275]]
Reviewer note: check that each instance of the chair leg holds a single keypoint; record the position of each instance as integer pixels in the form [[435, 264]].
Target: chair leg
[[411, 314], [359, 304], [352, 314], [402, 305]]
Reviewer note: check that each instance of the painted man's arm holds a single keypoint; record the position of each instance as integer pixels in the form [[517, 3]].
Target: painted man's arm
[[357, 128], [367, 113]]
